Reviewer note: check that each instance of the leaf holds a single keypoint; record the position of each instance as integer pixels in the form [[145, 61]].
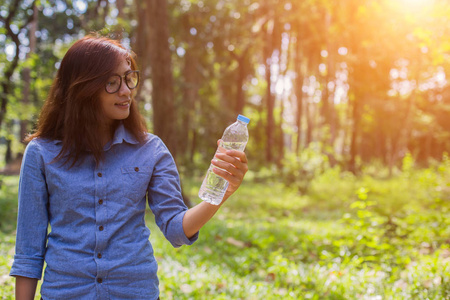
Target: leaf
[[234, 242]]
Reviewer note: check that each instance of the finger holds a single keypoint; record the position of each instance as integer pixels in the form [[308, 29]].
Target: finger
[[230, 159], [228, 167], [239, 154], [230, 164], [233, 180]]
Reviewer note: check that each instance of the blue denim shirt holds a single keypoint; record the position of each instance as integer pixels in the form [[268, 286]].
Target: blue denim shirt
[[98, 246]]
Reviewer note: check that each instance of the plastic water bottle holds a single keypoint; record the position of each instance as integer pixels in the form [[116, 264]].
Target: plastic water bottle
[[234, 137]]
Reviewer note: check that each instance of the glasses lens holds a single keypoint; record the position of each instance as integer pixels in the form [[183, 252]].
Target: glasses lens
[[113, 84], [132, 79]]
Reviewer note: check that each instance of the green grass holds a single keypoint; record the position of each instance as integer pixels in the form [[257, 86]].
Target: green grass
[[346, 238], [270, 243]]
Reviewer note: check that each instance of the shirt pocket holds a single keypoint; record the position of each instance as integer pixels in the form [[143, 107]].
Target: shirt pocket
[[136, 180]]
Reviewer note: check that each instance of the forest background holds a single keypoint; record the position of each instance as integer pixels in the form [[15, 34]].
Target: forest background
[[349, 104]]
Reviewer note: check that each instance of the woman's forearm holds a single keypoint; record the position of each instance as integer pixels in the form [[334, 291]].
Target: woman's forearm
[[197, 216], [231, 166], [25, 288]]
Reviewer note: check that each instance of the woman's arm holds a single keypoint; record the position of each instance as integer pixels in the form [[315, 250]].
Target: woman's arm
[[32, 222], [235, 165], [25, 288]]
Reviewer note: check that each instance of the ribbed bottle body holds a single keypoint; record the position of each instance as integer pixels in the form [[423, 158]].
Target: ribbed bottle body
[[234, 137]]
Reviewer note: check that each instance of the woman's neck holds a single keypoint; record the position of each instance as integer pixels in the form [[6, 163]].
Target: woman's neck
[[106, 133]]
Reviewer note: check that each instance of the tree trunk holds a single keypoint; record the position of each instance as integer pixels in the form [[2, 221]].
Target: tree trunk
[[333, 121], [298, 90], [26, 75], [240, 78], [358, 81], [355, 132], [190, 94], [309, 121], [8, 152], [140, 43], [280, 155], [331, 116], [164, 115], [120, 4], [164, 120], [269, 97]]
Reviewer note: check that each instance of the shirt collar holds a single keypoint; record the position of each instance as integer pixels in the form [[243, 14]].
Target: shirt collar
[[123, 135], [120, 135]]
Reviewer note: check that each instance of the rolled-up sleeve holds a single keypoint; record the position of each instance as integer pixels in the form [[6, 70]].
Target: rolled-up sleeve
[[165, 200], [32, 219]]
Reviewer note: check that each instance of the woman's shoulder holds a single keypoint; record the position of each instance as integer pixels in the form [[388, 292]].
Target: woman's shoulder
[[43, 142], [42, 145], [153, 139], [155, 142], [36, 151]]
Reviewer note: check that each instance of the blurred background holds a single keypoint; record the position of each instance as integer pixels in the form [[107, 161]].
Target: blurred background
[[348, 192]]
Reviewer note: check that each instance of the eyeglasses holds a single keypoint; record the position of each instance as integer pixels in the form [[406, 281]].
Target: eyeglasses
[[115, 82]]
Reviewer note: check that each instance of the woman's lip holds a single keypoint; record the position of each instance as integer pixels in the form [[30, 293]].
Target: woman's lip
[[123, 105], [123, 102]]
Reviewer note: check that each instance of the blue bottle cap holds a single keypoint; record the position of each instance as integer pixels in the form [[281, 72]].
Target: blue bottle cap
[[243, 119]]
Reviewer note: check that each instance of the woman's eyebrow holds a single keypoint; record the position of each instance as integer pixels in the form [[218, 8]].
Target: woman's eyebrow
[[125, 72]]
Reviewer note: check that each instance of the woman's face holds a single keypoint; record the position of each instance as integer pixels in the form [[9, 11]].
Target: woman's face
[[116, 106]]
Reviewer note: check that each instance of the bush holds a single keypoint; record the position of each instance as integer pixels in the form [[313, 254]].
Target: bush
[[8, 202], [299, 170]]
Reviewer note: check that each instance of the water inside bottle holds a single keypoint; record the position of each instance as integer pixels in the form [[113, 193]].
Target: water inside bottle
[[240, 146], [214, 187]]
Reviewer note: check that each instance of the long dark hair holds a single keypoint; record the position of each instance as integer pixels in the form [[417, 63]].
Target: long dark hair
[[72, 110]]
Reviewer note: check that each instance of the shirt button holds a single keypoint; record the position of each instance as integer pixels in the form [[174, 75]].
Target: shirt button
[[99, 255], [99, 280], [100, 228], [99, 174], [100, 201], [136, 169]]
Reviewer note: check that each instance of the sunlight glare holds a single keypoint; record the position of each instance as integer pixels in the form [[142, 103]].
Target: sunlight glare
[[416, 5], [80, 6], [10, 51], [342, 51]]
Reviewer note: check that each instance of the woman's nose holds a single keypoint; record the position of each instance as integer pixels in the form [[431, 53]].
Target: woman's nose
[[124, 90]]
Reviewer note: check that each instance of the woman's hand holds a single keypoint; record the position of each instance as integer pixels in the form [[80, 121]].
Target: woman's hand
[[234, 166]]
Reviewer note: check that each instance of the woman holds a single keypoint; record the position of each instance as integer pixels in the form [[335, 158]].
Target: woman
[[86, 172]]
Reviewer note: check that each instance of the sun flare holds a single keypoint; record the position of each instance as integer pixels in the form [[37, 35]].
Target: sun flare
[[416, 4]]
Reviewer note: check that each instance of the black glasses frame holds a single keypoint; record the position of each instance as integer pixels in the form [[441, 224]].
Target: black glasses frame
[[122, 78]]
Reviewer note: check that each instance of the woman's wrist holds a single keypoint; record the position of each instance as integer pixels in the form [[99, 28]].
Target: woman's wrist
[[25, 288]]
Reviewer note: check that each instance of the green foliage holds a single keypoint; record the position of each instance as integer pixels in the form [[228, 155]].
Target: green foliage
[[269, 242], [6, 253], [347, 238], [8, 203], [333, 189], [299, 170], [220, 52]]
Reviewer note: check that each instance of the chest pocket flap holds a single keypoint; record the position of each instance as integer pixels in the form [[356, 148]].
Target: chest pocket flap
[[136, 180]]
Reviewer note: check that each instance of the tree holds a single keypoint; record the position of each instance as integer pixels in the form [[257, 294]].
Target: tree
[[26, 73], [20, 15], [162, 78]]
